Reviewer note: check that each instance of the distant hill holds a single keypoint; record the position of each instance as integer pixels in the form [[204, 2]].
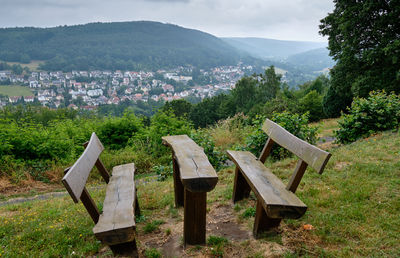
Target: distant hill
[[312, 60], [117, 45], [272, 48]]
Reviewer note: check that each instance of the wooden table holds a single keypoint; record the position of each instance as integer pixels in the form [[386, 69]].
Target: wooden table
[[194, 176]]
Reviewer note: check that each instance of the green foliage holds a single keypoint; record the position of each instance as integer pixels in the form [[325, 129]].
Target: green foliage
[[152, 226], [312, 103], [366, 47], [163, 124], [294, 123], [163, 172], [180, 107], [217, 244], [366, 116], [249, 212], [118, 45], [152, 253], [115, 132], [216, 156]]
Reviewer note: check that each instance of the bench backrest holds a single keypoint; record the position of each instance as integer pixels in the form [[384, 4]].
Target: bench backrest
[[308, 154], [76, 176]]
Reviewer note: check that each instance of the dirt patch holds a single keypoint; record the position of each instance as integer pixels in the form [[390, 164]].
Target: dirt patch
[[221, 221], [27, 186], [342, 165]]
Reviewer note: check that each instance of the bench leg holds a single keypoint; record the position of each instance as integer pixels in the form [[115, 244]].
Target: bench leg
[[241, 188], [194, 228], [137, 207], [178, 186], [262, 222], [125, 249]]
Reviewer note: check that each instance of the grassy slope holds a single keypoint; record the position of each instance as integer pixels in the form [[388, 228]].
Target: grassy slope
[[33, 65], [13, 90], [353, 208]]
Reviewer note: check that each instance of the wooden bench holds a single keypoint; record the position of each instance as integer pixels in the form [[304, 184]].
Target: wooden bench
[[274, 200], [193, 178], [116, 225]]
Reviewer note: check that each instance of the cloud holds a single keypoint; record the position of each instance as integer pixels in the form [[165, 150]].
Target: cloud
[[289, 19]]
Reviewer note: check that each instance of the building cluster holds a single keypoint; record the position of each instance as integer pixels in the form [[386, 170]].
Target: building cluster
[[88, 89]]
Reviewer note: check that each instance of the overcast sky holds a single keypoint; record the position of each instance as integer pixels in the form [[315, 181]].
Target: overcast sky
[[277, 19]]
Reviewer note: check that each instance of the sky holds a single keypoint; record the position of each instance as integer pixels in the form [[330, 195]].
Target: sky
[[276, 19]]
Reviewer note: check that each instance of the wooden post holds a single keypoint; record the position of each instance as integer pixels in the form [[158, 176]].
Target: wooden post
[[297, 175], [262, 222], [266, 150], [241, 188], [178, 186], [194, 228]]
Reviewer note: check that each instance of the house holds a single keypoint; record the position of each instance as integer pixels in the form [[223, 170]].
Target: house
[[14, 99], [29, 99]]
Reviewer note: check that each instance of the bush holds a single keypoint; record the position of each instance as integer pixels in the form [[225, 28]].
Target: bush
[[214, 154], [294, 123], [366, 116], [163, 172], [115, 132]]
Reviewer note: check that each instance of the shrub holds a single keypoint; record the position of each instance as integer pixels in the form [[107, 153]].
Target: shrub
[[366, 116], [294, 123], [216, 156], [312, 103], [115, 132], [163, 172]]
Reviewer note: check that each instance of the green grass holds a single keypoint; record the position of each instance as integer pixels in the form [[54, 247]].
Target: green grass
[[14, 90], [353, 207]]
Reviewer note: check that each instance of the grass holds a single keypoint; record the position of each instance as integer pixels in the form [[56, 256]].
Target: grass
[[14, 90], [353, 207]]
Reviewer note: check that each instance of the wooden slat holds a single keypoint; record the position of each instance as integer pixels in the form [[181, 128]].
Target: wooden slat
[[77, 175], [102, 169], [266, 150], [196, 172], [117, 222], [313, 156], [297, 176], [269, 189]]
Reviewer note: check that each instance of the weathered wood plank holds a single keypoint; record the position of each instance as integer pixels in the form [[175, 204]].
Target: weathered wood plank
[[262, 222], [312, 155], [196, 172], [178, 186], [241, 188], [75, 180], [269, 189], [266, 150], [117, 222], [194, 225], [297, 176]]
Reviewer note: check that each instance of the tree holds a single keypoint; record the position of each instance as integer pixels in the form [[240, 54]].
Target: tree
[[364, 39]]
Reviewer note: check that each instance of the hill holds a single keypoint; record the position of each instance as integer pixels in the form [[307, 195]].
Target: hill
[[271, 48], [117, 45], [313, 60]]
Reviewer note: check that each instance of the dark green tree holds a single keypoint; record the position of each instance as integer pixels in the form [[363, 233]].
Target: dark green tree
[[364, 39]]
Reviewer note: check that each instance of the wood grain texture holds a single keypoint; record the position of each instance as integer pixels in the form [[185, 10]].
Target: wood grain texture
[[117, 222], [196, 172], [269, 189], [297, 176], [241, 188], [262, 222], [312, 155], [75, 180], [194, 225]]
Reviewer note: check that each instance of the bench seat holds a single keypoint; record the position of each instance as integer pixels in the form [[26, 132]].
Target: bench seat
[[117, 222], [276, 200]]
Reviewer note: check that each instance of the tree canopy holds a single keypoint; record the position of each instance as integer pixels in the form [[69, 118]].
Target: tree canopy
[[364, 39]]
